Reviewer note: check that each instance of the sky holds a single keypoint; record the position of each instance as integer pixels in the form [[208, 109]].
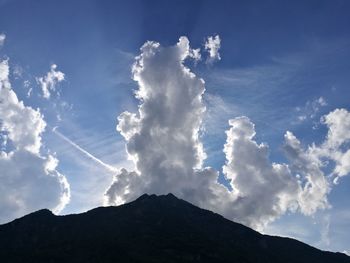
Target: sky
[[240, 107]]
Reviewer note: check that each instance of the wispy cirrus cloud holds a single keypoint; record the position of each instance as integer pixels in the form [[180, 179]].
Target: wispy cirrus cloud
[[311, 109], [108, 167], [90, 158]]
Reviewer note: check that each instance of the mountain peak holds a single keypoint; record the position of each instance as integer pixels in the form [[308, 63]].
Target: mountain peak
[[155, 195], [168, 196], [40, 214], [153, 228], [44, 212]]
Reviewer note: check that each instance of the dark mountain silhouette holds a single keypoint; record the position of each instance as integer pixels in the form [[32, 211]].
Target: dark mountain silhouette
[[150, 229]]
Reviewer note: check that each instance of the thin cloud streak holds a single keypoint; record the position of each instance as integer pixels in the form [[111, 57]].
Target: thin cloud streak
[[89, 155]]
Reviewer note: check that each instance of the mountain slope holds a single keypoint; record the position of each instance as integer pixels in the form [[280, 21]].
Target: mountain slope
[[150, 229]]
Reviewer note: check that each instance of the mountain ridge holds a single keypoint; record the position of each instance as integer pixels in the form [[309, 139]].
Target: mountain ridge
[[149, 229]]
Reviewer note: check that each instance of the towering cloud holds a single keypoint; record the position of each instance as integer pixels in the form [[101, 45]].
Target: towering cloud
[[264, 190], [163, 137], [163, 141], [28, 178]]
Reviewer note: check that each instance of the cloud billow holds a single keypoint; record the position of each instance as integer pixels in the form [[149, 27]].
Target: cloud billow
[[263, 190], [212, 45], [163, 141], [2, 39], [49, 81], [28, 178], [163, 137]]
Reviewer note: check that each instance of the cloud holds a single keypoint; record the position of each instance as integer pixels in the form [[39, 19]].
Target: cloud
[[163, 141], [48, 83], [267, 190], [342, 160], [22, 124], [334, 150], [2, 39], [315, 159], [29, 179], [218, 110], [338, 122], [92, 157], [264, 190], [325, 230], [308, 167], [212, 45], [311, 109], [336, 145], [163, 137], [83, 151]]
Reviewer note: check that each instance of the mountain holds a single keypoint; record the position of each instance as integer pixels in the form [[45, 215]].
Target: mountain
[[149, 229]]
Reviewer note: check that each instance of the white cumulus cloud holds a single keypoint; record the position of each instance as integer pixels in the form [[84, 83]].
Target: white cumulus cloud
[[314, 185], [49, 81], [264, 190], [163, 141], [2, 39], [212, 45], [336, 145], [338, 122], [28, 179], [163, 137]]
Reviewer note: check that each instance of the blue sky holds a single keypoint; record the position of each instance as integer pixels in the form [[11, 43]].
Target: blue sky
[[284, 65]]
